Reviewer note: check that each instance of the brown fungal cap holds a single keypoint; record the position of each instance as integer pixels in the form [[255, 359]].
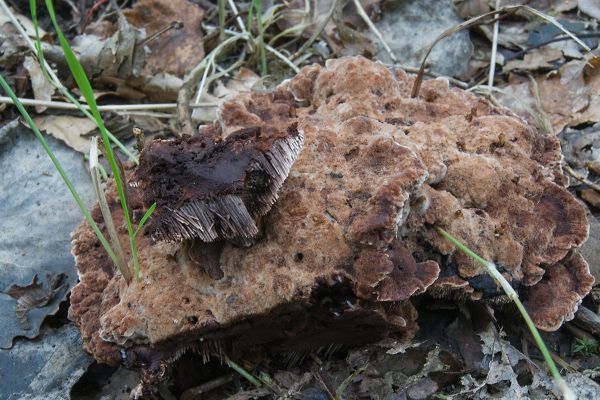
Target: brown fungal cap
[[209, 190], [350, 239]]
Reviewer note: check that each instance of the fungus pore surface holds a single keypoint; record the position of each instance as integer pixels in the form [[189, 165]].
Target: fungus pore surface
[[350, 239]]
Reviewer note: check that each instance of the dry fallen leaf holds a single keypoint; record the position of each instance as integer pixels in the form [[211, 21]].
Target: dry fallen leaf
[[178, 50], [568, 97], [33, 295], [118, 56], [42, 88], [24, 21], [69, 129], [535, 60]]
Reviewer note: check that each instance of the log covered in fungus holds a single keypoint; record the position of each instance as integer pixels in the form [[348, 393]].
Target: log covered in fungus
[[350, 239]]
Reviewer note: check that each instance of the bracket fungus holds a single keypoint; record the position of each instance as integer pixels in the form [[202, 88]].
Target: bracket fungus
[[350, 239]]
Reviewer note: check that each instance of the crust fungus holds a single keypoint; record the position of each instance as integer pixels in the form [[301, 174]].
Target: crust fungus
[[350, 239], [211, 188]]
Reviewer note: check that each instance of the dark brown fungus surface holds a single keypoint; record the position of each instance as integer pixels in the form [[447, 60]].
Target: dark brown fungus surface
[[333, 258], [214, 189]]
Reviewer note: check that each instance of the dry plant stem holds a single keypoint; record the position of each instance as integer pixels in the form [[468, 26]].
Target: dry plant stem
[[588, 320], [482, 19], [196, 391], [372, 27], [62, 105], [221, 19], [580, 333], [283, 58], [54, 78], [189, 83], [580, 178], [546, 123], [238, 19], [512, 294], [494, 52], [206, 81], [414, 70], [317, 32], [106, 214]]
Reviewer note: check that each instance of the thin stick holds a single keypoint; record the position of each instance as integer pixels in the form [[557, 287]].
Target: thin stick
[[491, 269], [237, 16], [372, 27], [494, 52], [580, 178], [282, 58], [62, 105], [414, 70]]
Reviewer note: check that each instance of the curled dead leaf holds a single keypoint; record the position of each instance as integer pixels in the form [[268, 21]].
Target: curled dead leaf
[[175, 51], [34, 295], [69, 129]]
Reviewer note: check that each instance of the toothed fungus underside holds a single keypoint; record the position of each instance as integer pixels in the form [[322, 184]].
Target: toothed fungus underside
[[350, 238]]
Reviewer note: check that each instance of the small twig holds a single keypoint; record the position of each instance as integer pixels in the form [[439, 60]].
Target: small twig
[[320, 28], [282, 58], [580, 178], [494, 52], [238, 19], [414, 70], [580, 333], [555, 357], [363, 14], [62, 105], [195, 392], [164, 29], [547, 42], [588, 320]]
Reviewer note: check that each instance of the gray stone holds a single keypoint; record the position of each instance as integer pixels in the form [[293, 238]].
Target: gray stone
[[410, 27], [38, 215]]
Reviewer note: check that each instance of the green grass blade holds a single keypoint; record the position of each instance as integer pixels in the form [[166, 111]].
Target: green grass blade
[[144, 219], [62, 89], [494, 273], [242, 372], [86, 90], [261, 37], [7, 89], [250, 16]]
